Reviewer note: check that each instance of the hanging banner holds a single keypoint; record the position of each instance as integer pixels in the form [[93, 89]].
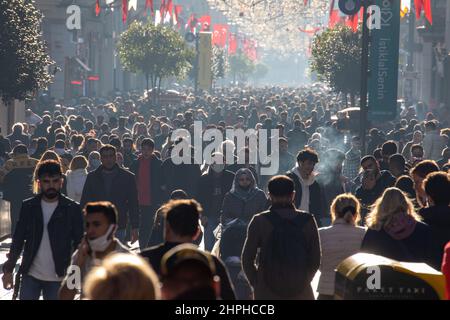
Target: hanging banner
[[205, 61], [220, 35], [383, 63], [232, 44]]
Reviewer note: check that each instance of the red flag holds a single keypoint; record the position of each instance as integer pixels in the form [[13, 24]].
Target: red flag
[[250, 49], [190, 23], [334, 18], [352, 22], [426, 6], [149, 4], [220, 35], [169, 7], [427, 9], [177, 13], [97, 8], [162, 10], [419, 6], [205, 22], [124, 10], [232, 44]]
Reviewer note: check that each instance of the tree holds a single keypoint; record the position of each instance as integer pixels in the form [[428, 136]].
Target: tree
[[260, 71], [23, 59], [241, 66], [220, 63], [336, 57], [156, 51]]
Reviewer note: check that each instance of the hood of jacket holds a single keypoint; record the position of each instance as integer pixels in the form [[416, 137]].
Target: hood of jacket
[[309, 181]]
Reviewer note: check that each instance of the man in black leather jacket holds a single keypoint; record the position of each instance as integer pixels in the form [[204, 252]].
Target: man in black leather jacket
[[50, 227]]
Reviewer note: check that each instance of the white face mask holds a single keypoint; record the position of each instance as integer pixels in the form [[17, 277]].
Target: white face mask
[[101, 243]]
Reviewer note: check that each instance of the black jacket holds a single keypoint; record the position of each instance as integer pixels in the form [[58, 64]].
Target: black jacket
[[155, 254], [206, 189], [65, 230], [418, 247], [180, 176], [438, 218], [315, 197], [123, 194], [155, 178]]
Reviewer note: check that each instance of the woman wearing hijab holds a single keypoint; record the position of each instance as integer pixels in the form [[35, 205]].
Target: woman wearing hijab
[[245, 199], [395, 231]]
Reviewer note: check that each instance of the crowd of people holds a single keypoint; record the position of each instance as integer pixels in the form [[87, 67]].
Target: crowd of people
[[86, 182]]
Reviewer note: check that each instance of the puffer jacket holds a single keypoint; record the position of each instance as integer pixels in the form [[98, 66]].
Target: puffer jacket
[[75, 183]]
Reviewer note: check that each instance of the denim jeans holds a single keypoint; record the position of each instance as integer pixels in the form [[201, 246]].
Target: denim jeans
[[31, 289]]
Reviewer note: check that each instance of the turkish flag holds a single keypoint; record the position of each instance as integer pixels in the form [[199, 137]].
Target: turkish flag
[[97, 8], [177, 13], [162, 10], [124, 10], [334, 18], [169, 7], [232, 44], [190, 23], [419, 6], [149, 5], [352, 22], [427, 9], [220, 35], [250, 49], [205, 23], [426, 6]]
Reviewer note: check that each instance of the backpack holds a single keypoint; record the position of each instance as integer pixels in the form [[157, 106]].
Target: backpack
[[285, 256]]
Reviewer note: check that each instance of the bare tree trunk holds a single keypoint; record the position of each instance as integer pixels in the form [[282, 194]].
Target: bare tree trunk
[[159, 90]]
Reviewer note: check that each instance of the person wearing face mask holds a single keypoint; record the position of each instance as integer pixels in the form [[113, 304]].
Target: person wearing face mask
[[49, 226], [99, 241], [213, 185]]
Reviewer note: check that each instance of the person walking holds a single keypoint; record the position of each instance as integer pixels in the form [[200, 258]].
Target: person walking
[[289, 246], [395, 231], [339, 241], [76, 177], [308, 194], [245, 199], [181, 226], [111, 183], [147, 169], [50, 225], [98, 242]]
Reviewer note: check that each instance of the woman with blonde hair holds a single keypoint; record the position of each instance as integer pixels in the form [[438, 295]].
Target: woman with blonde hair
[[122, 276], [395, 230], [76, 177], [339, 241]]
